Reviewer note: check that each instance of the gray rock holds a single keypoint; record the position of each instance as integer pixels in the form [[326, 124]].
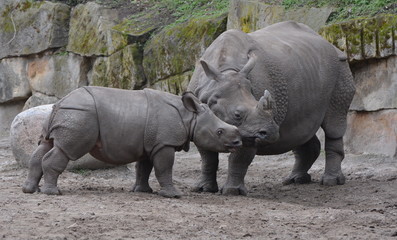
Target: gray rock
[[58, 74], [24, 136], [372, 132], [38, 99], [91, 31], [364, 38], [175, 50], [376, 85], [28, 27], [8, 111], [249, 16], [14, 84], [176, 84], [122, 69]]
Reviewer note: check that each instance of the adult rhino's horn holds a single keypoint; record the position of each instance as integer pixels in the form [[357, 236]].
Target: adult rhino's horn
[[210, 71], [249, 65], [266, 102]]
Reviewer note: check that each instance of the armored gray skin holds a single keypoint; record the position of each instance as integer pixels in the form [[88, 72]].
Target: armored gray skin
[[122, 126], [302, 83]]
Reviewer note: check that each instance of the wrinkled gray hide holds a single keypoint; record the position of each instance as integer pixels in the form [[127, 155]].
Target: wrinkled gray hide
[[119, 127], [279, 85]]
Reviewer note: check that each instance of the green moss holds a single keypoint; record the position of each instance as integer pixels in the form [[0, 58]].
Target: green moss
[[175, 50], [364, 37], [249, 19]]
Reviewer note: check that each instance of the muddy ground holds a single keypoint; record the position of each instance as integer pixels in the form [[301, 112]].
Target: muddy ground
[[98, 205]]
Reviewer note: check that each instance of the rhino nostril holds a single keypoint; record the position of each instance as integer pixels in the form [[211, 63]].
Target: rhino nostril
[[263, 133], [236, 143]]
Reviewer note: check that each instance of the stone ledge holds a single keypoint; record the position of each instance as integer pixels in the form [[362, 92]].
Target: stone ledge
[[364, 38]]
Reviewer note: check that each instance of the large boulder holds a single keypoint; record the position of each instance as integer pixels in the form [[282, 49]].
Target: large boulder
[[53, 75], [24, 136], [372, 132], [14, 84], [122, 69], [249, 16], [28, 27], [376, 85], [91, 30], [175, 50]]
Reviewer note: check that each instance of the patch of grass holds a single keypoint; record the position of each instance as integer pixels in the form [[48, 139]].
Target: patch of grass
[[347, 9], [186, 9]]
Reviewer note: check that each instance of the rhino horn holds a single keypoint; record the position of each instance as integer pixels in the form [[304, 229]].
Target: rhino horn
[[266, 102], [211, 71], [249, 65]]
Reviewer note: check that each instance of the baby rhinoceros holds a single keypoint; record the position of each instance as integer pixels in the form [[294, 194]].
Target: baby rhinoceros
[[123, 126]]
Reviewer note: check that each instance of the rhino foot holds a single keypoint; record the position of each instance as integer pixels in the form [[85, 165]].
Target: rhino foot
[[141, 188], [51, 190], [170, 192], [206, 186], [29, 187], [300, 178], [332, 180], [234, 191]]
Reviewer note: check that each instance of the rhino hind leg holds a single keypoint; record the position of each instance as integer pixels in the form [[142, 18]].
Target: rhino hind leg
[[54, 163], [305, 156], [143, 169], [334, 155], [239, 162], [31, 184], [209, 168]]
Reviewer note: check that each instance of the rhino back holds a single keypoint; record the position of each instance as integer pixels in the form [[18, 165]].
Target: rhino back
[[121, 119]]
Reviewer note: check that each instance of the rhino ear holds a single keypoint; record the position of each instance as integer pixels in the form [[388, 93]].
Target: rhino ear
[[210, 71], [249, 65], [191, 102]]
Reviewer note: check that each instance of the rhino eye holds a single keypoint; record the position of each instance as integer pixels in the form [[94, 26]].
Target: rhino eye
[[219, 132]]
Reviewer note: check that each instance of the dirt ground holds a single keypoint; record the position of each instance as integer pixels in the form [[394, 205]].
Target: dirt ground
[[98, 205]]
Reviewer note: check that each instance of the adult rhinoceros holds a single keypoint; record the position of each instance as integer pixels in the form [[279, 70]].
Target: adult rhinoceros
[[302, 83]]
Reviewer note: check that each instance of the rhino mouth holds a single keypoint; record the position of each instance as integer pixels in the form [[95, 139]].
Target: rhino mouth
[[260, 138], [233, 146]]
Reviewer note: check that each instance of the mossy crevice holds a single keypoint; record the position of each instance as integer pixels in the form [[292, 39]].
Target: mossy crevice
[[364, 38]]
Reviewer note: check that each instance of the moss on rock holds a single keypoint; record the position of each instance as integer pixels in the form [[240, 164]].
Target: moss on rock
[[175, 50], [91, 31], [364, 38], [176, 84], [28, 27], [122, 69]]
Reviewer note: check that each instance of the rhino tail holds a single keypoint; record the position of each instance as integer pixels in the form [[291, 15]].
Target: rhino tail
[[48, 123]]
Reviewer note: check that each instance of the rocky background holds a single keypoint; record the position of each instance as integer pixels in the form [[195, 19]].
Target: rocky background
[[50, 48]]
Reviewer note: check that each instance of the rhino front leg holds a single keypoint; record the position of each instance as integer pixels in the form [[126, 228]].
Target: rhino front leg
[[209, 167], [238, 166], [143, 169], [31, 184], [54, 163], [305, 156], [163, 162], [334, 155]]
